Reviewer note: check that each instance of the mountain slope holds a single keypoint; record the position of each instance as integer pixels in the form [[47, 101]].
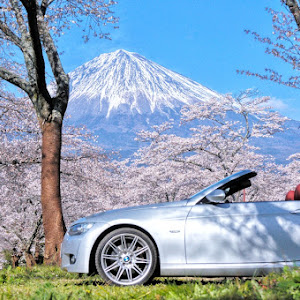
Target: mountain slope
[[127, 82], [120, 93]]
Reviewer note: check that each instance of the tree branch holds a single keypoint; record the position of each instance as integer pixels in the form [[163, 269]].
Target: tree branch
[[15, 80], [30, 6], [61, 78], [26, 42], [10, 35], [35, 232], [16, 162], [44, 5], [294, 9]]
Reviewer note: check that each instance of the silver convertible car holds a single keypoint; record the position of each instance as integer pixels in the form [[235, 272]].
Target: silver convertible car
[[205, 235]]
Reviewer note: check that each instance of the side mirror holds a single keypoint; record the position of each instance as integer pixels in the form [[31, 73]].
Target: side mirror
[[217, 196]]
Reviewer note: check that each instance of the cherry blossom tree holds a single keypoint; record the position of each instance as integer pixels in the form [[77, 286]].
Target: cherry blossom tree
[[221, 130], [168, 168], [284, 45], [20, 215], [292, 171], [28, 29], [88, 175]]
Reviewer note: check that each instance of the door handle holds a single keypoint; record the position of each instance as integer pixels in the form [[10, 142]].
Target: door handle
[[296, 212]]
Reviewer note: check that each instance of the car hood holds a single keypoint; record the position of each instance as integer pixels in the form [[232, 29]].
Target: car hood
[[133, 211]]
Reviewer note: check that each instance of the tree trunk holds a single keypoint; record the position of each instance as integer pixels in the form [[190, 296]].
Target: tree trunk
[[15, 260], [30, 262], [295, 10], [54, 227], [38, 257]]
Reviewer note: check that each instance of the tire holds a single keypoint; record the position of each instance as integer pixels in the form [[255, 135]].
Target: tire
[[126, 256]]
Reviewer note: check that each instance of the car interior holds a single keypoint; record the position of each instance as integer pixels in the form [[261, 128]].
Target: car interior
[[234, 188]]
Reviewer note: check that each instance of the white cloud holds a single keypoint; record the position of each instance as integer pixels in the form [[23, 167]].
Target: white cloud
[[287, 107], [278, 104]]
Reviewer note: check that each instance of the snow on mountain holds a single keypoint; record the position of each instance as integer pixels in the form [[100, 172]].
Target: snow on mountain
[[118, 94], [128, 82]]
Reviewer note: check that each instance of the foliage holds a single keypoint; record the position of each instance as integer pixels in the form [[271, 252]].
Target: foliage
[[53, 283], [168, 168], [7, 258], [53, 19], [284, 45], [219, 143], [20, 163], [28, 33]]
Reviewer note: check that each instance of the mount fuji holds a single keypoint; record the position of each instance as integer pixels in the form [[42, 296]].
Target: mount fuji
[[120, 93], [123, 81]]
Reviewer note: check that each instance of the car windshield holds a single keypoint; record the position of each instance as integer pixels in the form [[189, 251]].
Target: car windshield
[[198, 196], [230, 185]]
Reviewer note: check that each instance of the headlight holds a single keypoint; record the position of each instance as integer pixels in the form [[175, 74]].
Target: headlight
[[80, 228]]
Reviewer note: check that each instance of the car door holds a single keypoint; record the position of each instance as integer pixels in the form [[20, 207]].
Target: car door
[[243, 232]]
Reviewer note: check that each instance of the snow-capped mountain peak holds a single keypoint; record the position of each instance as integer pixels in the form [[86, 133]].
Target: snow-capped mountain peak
[[121, 93], [127, 82]]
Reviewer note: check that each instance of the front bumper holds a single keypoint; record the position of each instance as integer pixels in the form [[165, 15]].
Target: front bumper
[[76, 250]]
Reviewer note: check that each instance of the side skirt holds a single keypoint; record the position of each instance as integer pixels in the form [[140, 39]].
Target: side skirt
[[212, 270]]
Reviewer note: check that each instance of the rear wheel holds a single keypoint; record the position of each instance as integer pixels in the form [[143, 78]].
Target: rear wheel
[[126, 256]]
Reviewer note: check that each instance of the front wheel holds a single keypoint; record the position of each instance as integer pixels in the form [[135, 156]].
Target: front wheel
[[126, 256]]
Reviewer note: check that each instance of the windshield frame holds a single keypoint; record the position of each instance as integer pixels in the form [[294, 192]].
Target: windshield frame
[[198, 197]]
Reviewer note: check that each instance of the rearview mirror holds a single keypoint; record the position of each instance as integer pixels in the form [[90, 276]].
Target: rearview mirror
[[217, 196]]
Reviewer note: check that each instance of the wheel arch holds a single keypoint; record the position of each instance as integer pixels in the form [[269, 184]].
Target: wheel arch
[[92, 263]]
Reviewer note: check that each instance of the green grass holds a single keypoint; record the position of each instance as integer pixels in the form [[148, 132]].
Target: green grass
[[53, 283]]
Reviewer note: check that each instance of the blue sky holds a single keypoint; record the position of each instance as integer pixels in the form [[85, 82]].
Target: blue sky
[[203, 40]]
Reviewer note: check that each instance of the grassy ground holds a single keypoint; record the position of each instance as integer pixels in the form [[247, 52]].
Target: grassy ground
[[54, 283]]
